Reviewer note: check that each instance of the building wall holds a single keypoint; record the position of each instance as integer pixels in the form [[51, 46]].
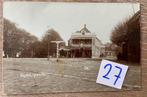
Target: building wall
[[96, 48]]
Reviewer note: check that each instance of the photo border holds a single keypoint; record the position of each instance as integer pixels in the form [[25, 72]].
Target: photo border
[[131, 93]]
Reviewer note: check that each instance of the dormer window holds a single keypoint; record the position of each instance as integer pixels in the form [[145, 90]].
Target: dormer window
[[83, 32]]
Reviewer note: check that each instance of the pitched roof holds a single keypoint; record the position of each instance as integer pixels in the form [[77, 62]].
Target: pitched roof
[[84, 29]]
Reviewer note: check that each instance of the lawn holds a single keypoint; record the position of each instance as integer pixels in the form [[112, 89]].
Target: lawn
[[38, 75]]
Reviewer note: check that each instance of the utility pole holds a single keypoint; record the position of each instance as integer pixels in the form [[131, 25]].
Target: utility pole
[[57, 49], [48, 45]]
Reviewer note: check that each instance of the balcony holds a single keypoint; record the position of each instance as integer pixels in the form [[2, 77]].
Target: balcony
[[80, 45]]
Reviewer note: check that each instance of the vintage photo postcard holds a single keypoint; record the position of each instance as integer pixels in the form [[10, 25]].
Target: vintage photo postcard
[[54, 47]]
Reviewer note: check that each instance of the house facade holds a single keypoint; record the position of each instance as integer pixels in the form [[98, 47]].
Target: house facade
[[83, 44]]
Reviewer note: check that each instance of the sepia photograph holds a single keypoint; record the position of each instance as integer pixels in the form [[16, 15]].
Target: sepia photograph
[[57, 47]]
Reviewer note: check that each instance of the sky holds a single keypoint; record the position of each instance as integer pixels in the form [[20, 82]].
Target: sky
[[67, 18]]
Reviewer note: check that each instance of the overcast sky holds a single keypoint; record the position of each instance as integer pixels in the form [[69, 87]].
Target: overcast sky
[[66, 18]]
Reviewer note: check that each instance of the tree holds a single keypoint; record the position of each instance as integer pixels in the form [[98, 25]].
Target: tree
[[127, 36], [46, 47], [17, 40]]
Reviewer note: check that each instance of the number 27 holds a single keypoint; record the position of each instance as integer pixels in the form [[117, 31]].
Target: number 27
[[110, 68]]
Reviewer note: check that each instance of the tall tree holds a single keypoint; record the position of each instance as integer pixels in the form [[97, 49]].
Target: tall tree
[[48, 48], [16, 40], [127, 36]]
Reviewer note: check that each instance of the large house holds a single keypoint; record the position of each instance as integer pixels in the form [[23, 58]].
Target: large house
[[84, 44]]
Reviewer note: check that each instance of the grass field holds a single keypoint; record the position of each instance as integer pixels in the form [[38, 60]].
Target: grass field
[[34, 75]]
